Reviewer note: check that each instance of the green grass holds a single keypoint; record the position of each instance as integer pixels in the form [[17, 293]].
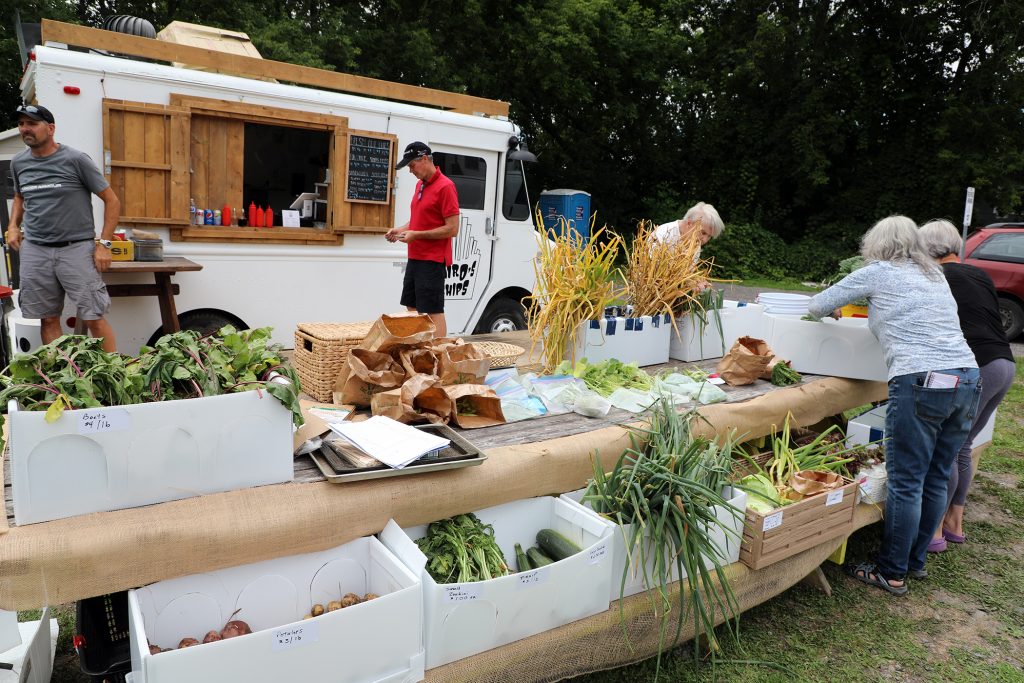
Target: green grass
[[786, 284]]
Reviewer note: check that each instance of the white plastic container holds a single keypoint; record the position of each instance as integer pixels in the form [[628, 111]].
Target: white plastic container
[[869, 427], [464, 619], [376, 641], [32, 657], [93, 460], [840, 348], [737, 321], [728, 536], [643, 340], [873, 484]]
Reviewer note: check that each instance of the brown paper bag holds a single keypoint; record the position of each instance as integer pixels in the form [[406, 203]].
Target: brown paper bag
[[476, 405], [745, 361], [420, 399], [416, 360], [811, 483], [391, 330], [367, 373], [767, 374], [462, 364]]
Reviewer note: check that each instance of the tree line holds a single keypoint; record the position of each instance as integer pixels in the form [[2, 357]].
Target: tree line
[[803, 121]]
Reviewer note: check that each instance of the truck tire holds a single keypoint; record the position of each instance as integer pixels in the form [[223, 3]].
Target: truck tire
[[502, 315], [1013, 317]]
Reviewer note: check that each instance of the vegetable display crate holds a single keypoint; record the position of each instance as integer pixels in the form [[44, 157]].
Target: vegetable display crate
[[786, 531], [840, 348], [726, 536], [379, 640], [99, 459], [869, 427], [643, 340], [321, 350], [102, 640], [464, 619], [689, 344]]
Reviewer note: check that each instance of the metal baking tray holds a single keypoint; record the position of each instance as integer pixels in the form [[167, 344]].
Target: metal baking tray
[[460, 453]]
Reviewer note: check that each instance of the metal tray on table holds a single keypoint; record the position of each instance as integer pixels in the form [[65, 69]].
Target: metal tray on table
[[459, 453]]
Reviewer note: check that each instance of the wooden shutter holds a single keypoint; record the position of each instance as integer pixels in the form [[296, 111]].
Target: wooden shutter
[[146, 161]]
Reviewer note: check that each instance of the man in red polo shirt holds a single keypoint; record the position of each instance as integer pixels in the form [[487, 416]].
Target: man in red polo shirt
[[433, 222]]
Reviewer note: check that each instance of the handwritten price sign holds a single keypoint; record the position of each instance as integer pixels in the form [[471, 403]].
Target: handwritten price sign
[[532, 578], [295, 636], [461, 592], [99, 420]]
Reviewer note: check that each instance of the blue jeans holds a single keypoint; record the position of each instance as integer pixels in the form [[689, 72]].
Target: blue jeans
[[924, 428]]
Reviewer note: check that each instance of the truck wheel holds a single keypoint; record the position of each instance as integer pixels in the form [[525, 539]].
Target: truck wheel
[[502, 315], [1013, 317]]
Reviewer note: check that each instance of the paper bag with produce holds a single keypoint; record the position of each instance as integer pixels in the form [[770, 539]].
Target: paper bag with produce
[[811, 483], [462, 364], [476, 405], [365, 374], [745, 362], [420, 399], [416, 360], [389, 331]]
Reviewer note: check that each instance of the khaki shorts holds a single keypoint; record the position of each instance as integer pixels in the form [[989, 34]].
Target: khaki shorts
[[48, 273]]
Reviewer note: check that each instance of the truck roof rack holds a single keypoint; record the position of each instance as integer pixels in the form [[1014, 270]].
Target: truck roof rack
[[148, 48]]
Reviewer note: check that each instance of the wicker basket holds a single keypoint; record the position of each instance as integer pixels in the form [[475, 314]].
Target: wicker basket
[[501, 355], [321, 349]]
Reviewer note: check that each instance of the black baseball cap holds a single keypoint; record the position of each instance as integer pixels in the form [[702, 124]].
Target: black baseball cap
[[414, 150], [34, 111]]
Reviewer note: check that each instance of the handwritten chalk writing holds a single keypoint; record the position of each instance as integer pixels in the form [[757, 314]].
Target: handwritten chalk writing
[[369, 169]]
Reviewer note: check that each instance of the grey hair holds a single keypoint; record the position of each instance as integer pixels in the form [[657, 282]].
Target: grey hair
[[707, 215], [895, 238], [940, 238]]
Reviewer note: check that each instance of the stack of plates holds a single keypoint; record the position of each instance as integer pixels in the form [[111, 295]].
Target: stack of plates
[[781, 303]]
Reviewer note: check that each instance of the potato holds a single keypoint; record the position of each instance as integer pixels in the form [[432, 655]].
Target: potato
[[212, 637], [235, 628], [317, 610], [334, 605], [370, 596], [308, 616], [187, 642], [155, 649]]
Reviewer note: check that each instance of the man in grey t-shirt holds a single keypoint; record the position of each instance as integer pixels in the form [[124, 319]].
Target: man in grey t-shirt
[[52, 228]]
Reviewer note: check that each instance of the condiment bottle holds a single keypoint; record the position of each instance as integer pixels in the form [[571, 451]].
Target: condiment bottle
[[270, 217], [260, 216], [225, 215], [252, 214]]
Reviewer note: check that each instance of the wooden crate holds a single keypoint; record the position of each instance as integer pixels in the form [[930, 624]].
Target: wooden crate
[[321, 350], [786, 531]]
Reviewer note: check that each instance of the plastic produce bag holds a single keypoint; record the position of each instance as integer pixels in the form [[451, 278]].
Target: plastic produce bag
[[709, 393], [525, 408], [631, 399], [591, 404], [559, 392], [677, 386]]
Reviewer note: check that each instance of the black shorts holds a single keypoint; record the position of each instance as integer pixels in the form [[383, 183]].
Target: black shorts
[[423, 288]]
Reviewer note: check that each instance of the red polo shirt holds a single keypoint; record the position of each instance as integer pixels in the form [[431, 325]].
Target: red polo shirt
[[432, 202]]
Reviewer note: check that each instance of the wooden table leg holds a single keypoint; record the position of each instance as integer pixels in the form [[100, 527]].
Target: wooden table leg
[[165, 295]]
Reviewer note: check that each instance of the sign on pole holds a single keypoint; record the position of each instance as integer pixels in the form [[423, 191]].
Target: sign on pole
[[968, 212]]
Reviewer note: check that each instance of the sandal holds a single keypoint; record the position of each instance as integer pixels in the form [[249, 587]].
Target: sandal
[[953, 538], [868, 573]]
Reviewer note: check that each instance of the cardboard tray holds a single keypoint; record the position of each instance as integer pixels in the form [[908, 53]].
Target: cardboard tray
[[461, 453]]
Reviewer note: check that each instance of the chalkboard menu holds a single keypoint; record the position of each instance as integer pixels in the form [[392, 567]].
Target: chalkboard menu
[[369, 169]]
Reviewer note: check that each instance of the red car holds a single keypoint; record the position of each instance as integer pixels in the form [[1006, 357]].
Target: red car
[[998, 249]]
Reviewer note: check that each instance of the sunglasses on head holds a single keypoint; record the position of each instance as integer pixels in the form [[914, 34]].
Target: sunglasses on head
[[27, 109]]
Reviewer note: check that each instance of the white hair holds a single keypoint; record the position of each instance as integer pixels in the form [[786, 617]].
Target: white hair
[[707, 215], [940, 238], [895, 238]]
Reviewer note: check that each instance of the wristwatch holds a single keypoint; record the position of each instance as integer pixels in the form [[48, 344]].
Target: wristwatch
[[106, 243]]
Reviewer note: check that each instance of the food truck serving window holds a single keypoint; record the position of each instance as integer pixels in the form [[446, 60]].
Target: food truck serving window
[[231, 154]]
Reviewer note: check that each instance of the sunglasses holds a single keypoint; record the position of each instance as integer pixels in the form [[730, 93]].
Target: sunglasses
[[33, 110]]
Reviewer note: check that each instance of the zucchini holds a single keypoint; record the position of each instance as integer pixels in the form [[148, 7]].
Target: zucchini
[[522, 561], [538, 559], [557, 546]]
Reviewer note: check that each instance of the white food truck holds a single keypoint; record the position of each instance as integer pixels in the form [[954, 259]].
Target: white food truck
[[170, 135]]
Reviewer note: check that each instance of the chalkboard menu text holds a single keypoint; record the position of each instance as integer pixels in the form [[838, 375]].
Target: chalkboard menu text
[[369, 169]]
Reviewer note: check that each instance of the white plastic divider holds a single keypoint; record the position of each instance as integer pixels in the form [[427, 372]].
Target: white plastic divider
[[728, 536], [643, 340], [840, 348], [869, 427], [99, 459], [737, 321], [464, 619], [378, 641]]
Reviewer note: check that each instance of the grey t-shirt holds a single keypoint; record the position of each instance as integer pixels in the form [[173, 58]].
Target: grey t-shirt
[[57, 193], [914, 316]]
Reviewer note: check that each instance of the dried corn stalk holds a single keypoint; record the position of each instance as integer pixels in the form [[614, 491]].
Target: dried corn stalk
[[575, 282]]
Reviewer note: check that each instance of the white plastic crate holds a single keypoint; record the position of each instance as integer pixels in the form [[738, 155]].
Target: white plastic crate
[[870, 427], [840, 348], [377, 641], [464, 619], [728, 536], [737, 321], [93, 460], [643, 340]]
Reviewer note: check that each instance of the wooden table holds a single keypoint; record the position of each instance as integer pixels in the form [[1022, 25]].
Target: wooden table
[[163, 289]]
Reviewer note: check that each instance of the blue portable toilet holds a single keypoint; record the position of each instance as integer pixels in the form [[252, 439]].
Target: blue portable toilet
[[573, 205]]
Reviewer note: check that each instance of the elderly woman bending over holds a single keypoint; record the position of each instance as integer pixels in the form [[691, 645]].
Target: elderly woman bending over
[[978, 309], [933, 389], [702, 217]]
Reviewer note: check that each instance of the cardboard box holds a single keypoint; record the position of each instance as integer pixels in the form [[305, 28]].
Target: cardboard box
[[379, 640], [727, 536], [737, 321], [840, 348], [869, 427], [464, 619], [786, 531], [93, 460], [643, 340], [122, 250]]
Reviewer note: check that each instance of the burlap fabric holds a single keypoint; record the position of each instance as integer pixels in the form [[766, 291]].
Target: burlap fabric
[[70, 559]]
